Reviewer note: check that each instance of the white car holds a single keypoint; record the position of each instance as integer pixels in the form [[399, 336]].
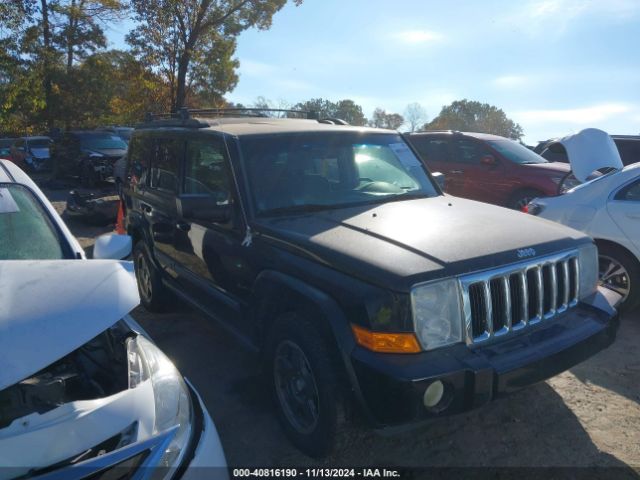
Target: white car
[[83, 389], [607, 208]]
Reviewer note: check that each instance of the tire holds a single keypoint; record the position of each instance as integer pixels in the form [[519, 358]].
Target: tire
[[522, 197], [87, 175], [153, 293], [315, 376], [619, 271]]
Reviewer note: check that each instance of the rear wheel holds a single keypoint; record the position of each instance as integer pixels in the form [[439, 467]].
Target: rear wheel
[[521, 198], [619, 271], [305, 385], [152, 292]]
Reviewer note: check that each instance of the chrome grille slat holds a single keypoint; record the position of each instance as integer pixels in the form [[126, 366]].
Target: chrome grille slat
[[498, 302], [506, 292], [540, 290]]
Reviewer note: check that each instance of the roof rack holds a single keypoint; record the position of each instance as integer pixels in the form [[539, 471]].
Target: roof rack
[[185, 114]]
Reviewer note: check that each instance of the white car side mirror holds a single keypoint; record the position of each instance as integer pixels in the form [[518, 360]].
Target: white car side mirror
[[110, 246]]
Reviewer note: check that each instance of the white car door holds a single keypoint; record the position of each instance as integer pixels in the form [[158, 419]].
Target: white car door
[[624, 209]]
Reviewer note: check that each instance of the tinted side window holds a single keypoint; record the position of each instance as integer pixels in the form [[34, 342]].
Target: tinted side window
[[206, 171], [630, 193], [431, 149], [165, 164], [469, 151], [629, 151], [140, 151]]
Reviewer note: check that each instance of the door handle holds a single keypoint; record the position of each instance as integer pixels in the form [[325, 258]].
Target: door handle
[[183, 226], [456, 172], [634, 216]]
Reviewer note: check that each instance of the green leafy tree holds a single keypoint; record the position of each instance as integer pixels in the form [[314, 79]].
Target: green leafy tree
[[472, 116], [382, 119], [346, 110], [177, 34]]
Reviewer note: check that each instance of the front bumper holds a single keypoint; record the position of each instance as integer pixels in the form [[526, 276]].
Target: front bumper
[[392, 386], [207, 460]]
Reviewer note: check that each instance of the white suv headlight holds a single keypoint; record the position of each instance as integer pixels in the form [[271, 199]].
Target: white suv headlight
[[172, 399], [437, 313], [587, 270]]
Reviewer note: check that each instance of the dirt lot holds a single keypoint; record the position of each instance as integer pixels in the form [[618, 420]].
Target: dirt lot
[[586, 417]]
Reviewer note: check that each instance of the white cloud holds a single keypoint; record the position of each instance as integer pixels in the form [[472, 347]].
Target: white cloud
[[510, 81], [553, 17], [256, 69], [416, 37], [577, 116]]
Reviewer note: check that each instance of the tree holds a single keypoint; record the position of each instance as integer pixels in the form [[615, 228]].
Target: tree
[[474, 116], [382, 119], [177, 34], [45, 31], [346, 110], [415, 115]]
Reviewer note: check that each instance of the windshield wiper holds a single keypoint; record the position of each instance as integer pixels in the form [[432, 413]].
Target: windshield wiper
[[312, 207]]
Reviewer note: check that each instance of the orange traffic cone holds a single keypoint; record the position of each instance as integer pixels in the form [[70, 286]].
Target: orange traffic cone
[[120, 220]]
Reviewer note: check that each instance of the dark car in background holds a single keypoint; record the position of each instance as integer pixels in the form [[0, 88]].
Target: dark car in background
[[33, 153], [89, 155], [332, 251], [5, 147], [123, 132], [489, 168], [628, 147]]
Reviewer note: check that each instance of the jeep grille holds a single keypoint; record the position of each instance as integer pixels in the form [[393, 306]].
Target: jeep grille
[[499, 302]]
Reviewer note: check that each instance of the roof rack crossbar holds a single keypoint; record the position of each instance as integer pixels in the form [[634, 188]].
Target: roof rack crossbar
[[185, 113]]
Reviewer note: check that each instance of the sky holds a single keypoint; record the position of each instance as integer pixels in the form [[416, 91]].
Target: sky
[[553, 66]]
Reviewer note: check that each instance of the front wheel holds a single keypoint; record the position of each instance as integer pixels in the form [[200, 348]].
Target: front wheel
[[152, 291], [619, 271], [305, 385]]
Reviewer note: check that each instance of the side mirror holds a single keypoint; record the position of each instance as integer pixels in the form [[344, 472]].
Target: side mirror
[[203, 207], [439, 178], [115, 247], [488, 160]]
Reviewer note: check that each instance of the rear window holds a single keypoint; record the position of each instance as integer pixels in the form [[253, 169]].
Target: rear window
[[26, 230]]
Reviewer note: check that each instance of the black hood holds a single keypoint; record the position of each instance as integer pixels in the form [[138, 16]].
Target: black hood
[[398, 244]]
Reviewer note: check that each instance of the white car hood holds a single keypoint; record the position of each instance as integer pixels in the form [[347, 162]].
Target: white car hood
[[50, 308], [589, 150]]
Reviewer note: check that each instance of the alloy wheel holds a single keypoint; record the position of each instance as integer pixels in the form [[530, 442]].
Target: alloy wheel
[[144, 277], [296, 387], [614, 276]]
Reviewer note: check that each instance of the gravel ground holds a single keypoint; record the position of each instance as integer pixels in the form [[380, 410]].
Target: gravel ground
[[586, 417]]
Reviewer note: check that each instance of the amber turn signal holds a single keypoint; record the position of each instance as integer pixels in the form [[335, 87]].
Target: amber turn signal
[[386, 342]]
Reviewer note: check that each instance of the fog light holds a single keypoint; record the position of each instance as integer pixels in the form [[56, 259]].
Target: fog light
[[433, 394]]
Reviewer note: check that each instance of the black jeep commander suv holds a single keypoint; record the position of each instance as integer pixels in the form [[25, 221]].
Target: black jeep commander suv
[[333, 251]]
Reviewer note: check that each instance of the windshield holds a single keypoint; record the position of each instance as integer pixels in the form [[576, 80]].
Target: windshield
[[26, 230], [125, 133], [516, 152], [39, 142], [297, 172], [102, 141]]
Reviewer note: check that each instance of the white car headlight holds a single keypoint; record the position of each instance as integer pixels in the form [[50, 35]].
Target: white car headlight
[[172, 399], [587, 269], [437, 313]]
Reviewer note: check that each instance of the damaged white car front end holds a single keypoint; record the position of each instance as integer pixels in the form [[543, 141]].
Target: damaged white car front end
[[83, 391]]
